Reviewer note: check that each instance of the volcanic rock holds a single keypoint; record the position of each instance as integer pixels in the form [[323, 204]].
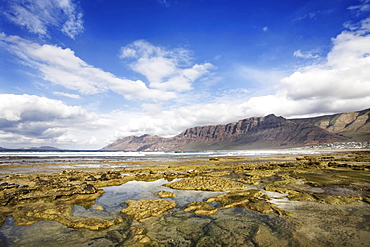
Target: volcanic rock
[[257, 133], [206, 184], [147, 209], [355, 126]]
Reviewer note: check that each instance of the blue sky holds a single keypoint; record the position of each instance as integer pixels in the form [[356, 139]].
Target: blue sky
[[80, 74]]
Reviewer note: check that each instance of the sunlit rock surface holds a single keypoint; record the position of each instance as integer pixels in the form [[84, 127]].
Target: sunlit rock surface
[[166, 194], [201, 208], [147, 209], [206, 183]]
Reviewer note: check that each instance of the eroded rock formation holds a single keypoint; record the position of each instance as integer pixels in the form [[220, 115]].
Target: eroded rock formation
[[257, 132]]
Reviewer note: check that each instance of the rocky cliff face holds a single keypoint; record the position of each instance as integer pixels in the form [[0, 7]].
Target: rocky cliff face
[[257, 132], [354, 126]]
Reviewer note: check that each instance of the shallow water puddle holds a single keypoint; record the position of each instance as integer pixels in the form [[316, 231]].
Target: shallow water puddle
[[312, 224], [113, 200]]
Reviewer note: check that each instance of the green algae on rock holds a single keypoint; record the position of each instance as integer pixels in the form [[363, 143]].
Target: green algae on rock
[[92, 223], [206, 184], [30, 213], [233, 199], [201, 208], [216, 174], [248, 199], [147, 209], [326, 186]]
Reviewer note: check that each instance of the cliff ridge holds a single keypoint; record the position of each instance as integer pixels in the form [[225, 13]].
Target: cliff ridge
[[257, 133]]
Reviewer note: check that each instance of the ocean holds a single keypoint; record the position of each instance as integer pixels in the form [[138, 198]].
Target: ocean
[[21, 161]]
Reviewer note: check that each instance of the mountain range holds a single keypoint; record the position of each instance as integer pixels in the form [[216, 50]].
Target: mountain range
[[257, 133]]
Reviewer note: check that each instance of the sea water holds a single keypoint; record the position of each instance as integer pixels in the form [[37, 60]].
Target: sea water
[[26, 161], [78, 156]]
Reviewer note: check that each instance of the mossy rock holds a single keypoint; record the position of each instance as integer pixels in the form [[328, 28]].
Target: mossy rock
[[248, 199], [216, 173], [301, 196], [147, 209], [366, 199], [166, 194], [201, 208], [206, 184], [29, 214], [94, 224], [336, 200], [233, 199]]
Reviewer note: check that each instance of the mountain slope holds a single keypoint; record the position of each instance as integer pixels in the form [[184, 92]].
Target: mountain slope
[[355, 126], [256, 132]]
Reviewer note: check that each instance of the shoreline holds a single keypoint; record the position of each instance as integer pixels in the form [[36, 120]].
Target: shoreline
[[33, 165]]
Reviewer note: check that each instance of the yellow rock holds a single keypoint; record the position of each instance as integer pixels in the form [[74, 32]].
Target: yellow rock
[[147, 209], [118, 220], [166, 194], [206, 183], [94, 224], [233, 199], [201, 208], [98, 207]]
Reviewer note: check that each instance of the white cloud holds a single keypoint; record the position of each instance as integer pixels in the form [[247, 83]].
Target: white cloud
[[345, 75], [170, 122], [339, 84], [30, 118], [265, 29], [63, 67], [68, 95], [262, 77], [164, 69], [362, 8], [38, 16], [313, 15], [307, 55], [33, 108]]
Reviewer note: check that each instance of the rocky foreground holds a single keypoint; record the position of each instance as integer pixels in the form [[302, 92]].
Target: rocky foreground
[[333, 179]]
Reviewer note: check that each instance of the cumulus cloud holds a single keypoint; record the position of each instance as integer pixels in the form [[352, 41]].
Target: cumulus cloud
[[38, 16], [345, 75], [30, 118], [169, 122], [63, 67], [340, 83], [164, 69]]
